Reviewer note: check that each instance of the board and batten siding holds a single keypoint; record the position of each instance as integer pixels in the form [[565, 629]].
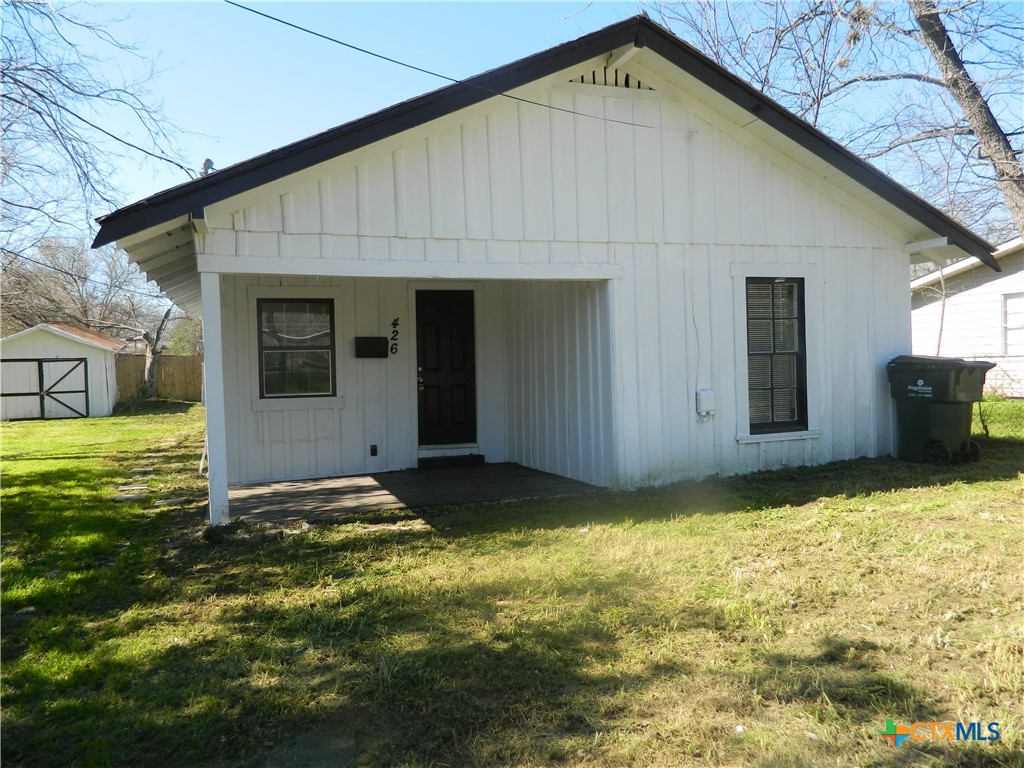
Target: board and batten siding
[[971, 320], [679, 326], [512, 182], [559, 379], [542, 381], [285, 438], [680, 198]]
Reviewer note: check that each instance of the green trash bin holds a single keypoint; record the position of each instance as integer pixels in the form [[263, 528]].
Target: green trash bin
[[934, 397]]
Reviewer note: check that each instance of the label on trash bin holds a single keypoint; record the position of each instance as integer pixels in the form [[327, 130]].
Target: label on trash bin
[[919, 390]]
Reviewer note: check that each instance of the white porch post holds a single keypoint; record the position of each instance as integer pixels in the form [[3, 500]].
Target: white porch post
[[213, 371]]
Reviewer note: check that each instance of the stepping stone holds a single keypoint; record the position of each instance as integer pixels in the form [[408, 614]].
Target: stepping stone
[[131, 496], [142, 471], [133, 488], [169, 502]]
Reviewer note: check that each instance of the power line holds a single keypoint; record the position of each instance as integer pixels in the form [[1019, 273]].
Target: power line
[[453, 80], [111, 286]]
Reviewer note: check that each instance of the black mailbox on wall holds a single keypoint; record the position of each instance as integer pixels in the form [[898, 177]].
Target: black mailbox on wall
[[371, 346]]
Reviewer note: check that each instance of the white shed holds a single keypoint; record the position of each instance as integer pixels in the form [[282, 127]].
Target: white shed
[[967, 310], [57, 371], [613, 260]]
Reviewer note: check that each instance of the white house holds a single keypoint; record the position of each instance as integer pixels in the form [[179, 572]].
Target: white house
[[57, 371], [612, 260], [967, 310]]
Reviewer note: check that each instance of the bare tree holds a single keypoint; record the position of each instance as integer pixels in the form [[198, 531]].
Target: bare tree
[[929, 93], [993, 142], [66, 281], [62, 121]]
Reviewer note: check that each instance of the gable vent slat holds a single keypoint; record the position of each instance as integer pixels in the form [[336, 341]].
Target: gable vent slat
[[610, 77]]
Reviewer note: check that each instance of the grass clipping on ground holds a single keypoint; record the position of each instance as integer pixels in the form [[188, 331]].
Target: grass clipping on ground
[[773, 620]]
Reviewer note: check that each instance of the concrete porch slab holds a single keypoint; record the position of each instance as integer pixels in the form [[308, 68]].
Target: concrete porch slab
[[335, 498]]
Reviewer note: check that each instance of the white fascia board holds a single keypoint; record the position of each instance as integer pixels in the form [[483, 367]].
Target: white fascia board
[[57, 332], [926, 245], [272, 265], [966, 265], [19, 334]]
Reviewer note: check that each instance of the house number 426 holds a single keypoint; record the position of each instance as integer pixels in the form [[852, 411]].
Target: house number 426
[[394, 337]]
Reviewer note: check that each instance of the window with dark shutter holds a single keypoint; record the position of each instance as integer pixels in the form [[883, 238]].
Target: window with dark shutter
[[296, 347], [776, 358]]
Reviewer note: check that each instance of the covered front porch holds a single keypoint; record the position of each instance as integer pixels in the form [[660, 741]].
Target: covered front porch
[[337, 499], [526, 363]]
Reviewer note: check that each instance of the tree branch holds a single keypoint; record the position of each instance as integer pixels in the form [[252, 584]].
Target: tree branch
[[932, 133], [884, 78]]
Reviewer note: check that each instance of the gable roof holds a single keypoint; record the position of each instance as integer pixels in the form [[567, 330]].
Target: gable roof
[[639, 31], [965, 265], [74, 333]]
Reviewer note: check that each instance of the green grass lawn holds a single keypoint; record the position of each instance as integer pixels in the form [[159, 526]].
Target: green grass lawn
[[775, 620], [999, 417]]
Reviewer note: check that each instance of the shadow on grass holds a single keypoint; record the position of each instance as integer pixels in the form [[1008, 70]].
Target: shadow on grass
[[862, 477], [316, 632], [745, 493], [359, 498], [440, 674], [152, 407], [413, 675], [71, 555]]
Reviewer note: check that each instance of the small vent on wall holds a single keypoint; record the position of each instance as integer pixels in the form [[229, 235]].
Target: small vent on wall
[[612, 77]]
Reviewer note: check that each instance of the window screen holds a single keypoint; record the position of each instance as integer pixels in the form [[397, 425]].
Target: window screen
[[1013, 323], [776, 359], [296, 347]]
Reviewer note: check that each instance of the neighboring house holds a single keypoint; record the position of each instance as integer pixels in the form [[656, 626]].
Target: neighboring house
[[137, 346], [57, 371], [967, 310], [612, 260]]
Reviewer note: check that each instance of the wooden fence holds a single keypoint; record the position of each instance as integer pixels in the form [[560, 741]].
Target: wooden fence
[[178, 377]]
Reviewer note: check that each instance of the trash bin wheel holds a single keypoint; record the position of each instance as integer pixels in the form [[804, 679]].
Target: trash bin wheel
[[973, 450], [937, 453]]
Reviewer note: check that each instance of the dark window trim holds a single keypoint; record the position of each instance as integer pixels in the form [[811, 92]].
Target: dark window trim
[[329, 348], [801, 423]]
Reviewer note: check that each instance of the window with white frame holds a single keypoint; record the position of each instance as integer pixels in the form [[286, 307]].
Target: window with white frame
[[776, 354], [1013, 323], [296, 347]]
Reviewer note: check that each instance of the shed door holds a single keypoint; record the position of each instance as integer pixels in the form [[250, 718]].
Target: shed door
[[46, 388], [446, 360]]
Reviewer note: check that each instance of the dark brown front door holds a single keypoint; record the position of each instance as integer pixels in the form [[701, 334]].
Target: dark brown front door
[[446, 367]]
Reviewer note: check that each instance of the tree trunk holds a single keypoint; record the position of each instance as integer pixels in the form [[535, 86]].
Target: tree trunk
[[152, 353], [991, 138], [149, 377], [942, 312]]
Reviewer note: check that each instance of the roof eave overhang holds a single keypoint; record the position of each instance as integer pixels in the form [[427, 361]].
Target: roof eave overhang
[[952, 270], [271, 166], [788, 124], [637, 32]]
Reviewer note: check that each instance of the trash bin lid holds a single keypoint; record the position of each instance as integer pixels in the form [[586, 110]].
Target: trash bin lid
[[941, 363], [925, 361]]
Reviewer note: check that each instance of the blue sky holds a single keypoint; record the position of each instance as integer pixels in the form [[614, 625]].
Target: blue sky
[[237, 85]]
